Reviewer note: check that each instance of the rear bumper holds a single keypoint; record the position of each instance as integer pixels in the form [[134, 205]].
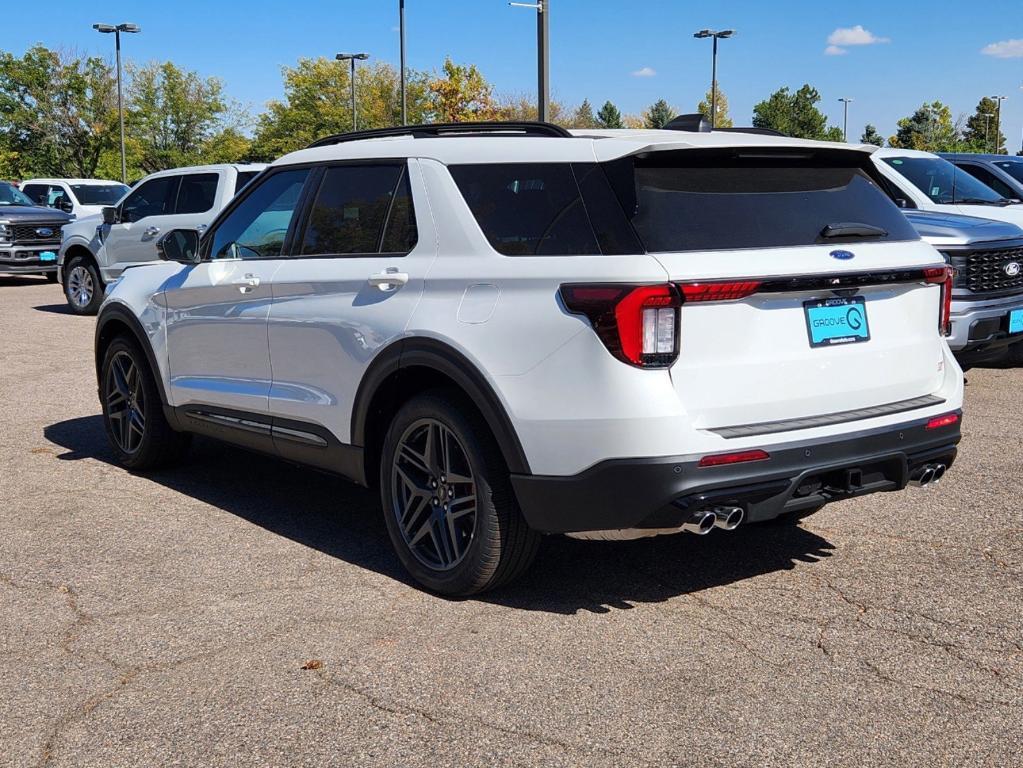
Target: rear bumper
[[662, 492]]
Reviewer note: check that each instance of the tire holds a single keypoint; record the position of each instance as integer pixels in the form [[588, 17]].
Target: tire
[[133, 414], [1014, 354], [83, 288], [486, 541], [51, 277]]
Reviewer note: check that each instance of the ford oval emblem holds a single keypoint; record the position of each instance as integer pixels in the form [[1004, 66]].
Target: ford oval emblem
[[842, 255], [44, 232], [1012, 269]]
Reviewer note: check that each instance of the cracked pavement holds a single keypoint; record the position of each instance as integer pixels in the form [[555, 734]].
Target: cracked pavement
[[166, 619]]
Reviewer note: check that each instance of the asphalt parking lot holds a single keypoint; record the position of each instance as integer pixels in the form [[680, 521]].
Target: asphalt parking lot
[[239, 611]]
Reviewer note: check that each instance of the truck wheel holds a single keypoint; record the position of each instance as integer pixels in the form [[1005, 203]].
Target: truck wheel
[[447, 498], [83, 288], [133, 415]]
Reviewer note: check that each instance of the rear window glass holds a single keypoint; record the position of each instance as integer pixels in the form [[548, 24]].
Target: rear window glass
[[687, 201], [197, 192]]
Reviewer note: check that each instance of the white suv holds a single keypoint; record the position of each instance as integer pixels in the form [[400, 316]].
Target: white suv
[[512, 330], [96, 249]]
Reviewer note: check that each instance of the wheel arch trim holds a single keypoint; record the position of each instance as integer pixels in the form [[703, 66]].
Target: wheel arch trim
[[119, 313]]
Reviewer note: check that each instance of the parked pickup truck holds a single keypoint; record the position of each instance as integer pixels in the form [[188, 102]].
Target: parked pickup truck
[[29, 235], [97, 249], [987, 289]]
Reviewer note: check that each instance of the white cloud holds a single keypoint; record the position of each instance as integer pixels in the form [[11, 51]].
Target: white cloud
[[645, 72], [1006, 49], [834, 50], [855, 36]]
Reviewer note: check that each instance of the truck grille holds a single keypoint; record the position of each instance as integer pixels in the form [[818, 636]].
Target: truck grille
[[988, 271], [29, 233]]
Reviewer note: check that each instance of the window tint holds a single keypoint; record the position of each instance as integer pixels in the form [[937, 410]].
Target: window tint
[[527, 209], [197, 192], [55, 195], [705, 200], [98, 194], [154, 198], [37, 192], [942, 182], [984, 175], [258, 226], [350, 209], [1012, 167], [401, 233], [244, 177]]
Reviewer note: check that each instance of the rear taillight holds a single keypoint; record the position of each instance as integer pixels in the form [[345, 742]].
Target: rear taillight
[[719, 291], [943, 421], [740, 457], [639, 324], [942, 276]]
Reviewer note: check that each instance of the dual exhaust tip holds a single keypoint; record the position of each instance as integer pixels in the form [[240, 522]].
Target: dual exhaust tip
[[705, 520], [927, 474]]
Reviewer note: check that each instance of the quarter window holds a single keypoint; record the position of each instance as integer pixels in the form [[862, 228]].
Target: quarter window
[[361, 209], [258, 226], [154, 198], [197, 192]]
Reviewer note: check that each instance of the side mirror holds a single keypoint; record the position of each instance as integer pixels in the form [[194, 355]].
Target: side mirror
[[66, 205], [180, 245], [109, 214]]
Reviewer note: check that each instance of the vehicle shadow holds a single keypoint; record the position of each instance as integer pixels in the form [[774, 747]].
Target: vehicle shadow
[[56, 309], [12, 280], [342, 520]]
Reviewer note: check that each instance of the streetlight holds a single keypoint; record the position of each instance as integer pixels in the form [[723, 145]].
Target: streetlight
[[353, 57], [998, 120], [987, 123], [401, 28], [845, 117], [714, 68], [117, 29], [543, 59]]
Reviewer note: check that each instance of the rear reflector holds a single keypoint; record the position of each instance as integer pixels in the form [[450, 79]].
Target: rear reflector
[[719, 291], [718, 459], [943, 421]]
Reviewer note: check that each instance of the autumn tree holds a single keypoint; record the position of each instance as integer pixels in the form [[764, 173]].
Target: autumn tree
[[609, 116], [980, 132], [658, 115], [462, 94], [722, 119], [795, 114], [583, 116], [523, 107]]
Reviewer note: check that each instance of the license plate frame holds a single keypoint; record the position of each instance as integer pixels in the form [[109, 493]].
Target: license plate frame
[[48, 256], [836, 321]]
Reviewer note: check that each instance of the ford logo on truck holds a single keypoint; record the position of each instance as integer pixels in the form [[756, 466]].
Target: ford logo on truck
[[1012, 268], [47, 232], [842, 255]]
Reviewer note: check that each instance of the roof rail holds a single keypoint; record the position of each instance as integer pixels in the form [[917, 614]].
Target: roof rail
[[761, 131], [436, 130]]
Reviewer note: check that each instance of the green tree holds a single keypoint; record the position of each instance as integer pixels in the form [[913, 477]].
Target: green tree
[[722, 119], [57, 113], [177, 118], [795, 114], [462, 94], [659, 114], [871, 136], [609, 116], [929, 128], [317, 102], [979, 134], [583, 116]]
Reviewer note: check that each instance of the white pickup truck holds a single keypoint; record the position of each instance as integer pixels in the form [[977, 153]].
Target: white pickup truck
[[97, 249]]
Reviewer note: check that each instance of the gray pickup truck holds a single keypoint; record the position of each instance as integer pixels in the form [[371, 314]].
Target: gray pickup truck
[[29, 235], [987, 290]]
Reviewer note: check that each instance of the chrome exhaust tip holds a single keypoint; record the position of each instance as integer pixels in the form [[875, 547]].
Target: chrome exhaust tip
[[922, 476], [939, 472], [701, 523], [728, 518]]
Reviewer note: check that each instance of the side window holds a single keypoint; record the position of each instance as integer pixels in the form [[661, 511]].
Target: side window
[[197, 192], [154, 198], [37, 192], [55, 196], [984, 175], [353, 207], [244, 177], [258, 226], [528, 209]]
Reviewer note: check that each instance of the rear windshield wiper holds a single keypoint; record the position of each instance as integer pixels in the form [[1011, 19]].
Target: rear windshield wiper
[[853, 229]]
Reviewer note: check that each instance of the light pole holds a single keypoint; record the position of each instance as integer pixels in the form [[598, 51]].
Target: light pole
[[845, 117], [353, 57], [401, 28], [719, 35], [998, 120], [117, 29], [543, 59], [987, 124]]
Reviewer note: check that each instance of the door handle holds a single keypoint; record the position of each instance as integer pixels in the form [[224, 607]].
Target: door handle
[[388, 280], [150, 232], [247, 283]]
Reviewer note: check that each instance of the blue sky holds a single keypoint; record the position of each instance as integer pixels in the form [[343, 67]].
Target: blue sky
[[890, 58]]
